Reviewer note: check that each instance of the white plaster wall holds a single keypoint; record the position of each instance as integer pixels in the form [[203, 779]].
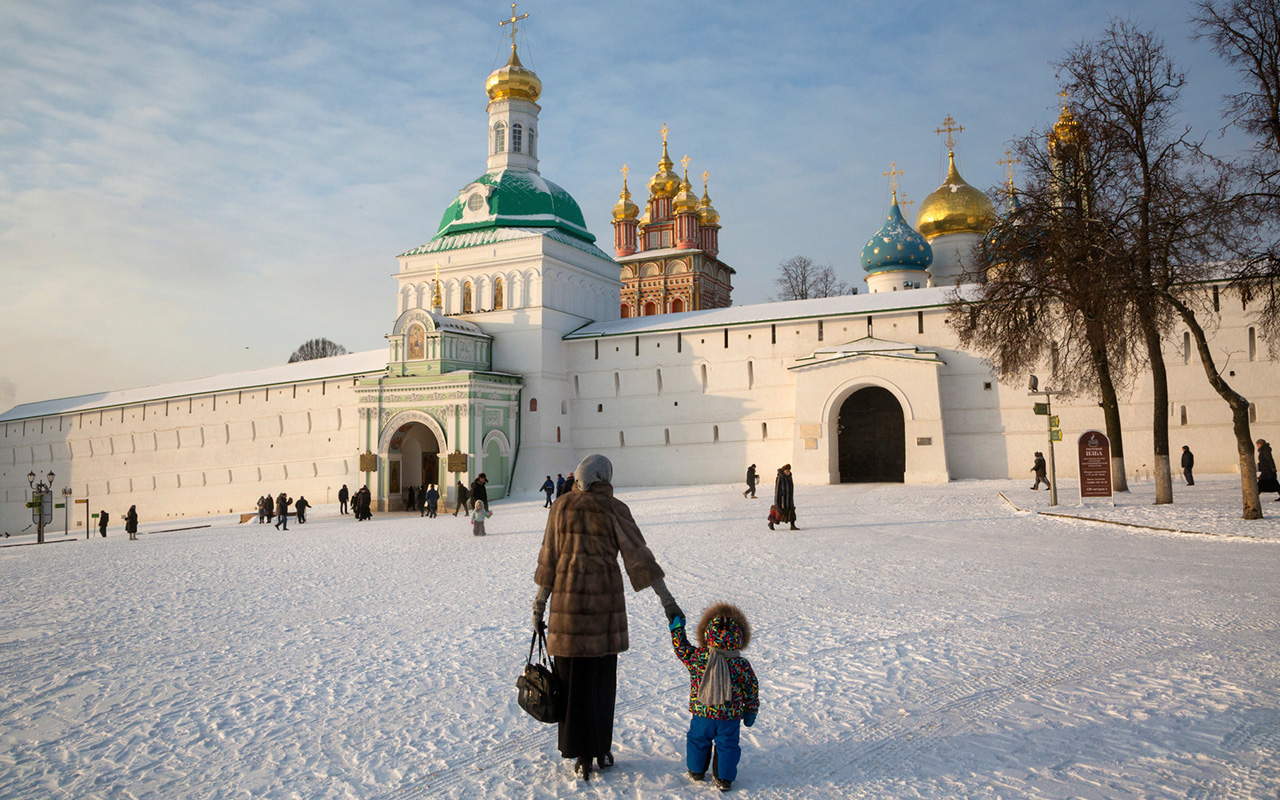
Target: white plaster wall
[[949, 252]]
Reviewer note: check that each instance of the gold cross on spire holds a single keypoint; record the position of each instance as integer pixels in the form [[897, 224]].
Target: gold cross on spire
[[705, 175], [892, 175], [1064, 94], [665, 131], [512, 22], [625, 169], [686, 161], [1008, 163], [903, 201], [950, 128]]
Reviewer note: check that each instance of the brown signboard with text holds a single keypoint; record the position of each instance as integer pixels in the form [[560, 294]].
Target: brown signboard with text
[[1095, 464], [457, 461]]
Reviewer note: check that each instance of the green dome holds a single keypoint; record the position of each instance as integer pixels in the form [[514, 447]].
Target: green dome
[[513, 199], [896, 246]]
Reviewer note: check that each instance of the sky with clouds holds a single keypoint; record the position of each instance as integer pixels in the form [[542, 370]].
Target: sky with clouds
[[190, 188]]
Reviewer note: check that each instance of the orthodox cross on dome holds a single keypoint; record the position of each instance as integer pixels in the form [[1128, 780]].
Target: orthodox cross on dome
[[892, 175], [686, 161], [705, 175], [1008, 163], [512, 22], [625, 169], [1064, 94], [665, 131], [950, 128], [904, 202]]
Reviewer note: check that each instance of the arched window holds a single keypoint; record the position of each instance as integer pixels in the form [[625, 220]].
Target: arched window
[[533, 404], [626, 311], [466, 297], [650, 309], [677, 306], [533, 138], [517, 135], [557, 434], [497, 294], [499, 138]]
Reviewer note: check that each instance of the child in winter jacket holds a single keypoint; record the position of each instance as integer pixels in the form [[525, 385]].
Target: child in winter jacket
[[479, 512], [723, 692]]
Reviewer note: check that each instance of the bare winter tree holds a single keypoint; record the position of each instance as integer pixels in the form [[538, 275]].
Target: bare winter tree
[[1044, 285], [317, 348], [1167, 210], [799, 278]]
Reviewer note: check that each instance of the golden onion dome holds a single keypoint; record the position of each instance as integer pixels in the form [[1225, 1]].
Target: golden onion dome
[[706, 212], [644, 221], [1066, 130], [664, 183], [954, 207], [686, 201], [625, 209], [512, 80]]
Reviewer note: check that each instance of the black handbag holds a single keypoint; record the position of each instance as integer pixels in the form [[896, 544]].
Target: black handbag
[[539, 690]]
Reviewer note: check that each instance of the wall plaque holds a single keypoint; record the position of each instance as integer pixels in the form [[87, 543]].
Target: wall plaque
[[457, 461], [368, 462]]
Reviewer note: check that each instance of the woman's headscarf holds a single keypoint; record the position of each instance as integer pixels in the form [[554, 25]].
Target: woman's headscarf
[[593, 468]]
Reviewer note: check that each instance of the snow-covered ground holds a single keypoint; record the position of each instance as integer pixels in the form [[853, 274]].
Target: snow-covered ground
[[911, 641]]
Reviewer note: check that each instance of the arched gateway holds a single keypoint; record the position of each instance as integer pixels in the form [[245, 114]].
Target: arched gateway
[[871, 437], [413, 457]]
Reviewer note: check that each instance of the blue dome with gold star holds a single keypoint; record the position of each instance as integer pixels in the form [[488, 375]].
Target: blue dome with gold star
[[896, 246]]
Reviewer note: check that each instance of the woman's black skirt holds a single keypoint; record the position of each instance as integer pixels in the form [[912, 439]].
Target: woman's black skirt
[[590, 688]]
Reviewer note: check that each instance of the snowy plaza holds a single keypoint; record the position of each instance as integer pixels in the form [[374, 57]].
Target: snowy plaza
[[911, 641]]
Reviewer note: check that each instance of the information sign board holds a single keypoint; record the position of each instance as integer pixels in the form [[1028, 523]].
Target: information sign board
[[1053, 421], [1042, 409], [1095, 464], [1055, 435], [368, 462], [457, 461]]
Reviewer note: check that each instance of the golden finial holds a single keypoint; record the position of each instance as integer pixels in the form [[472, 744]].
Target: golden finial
[[686, 161], [1064, 94], [665, 131], [705, 175], [1008, 163], [512, 22], [625, 169], [892, 175], [949, 127], [908, 203], [436, 301]]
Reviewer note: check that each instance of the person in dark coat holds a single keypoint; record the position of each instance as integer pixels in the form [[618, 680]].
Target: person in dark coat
[[559, 484], [103, 516], [422, 500], [411, 502], [549, 488], [479, 494], [283, 501], [463, 496], [751, 481], [301, 506], [578, 572], [131, 521], [1038, 468], [366, 503], [1188, 461], [432, 499], [568, 483], [262, 510], [784, 497], [343, 497], [1267, 469]]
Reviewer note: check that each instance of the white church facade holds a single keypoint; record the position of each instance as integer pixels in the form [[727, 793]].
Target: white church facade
[[508, 354]]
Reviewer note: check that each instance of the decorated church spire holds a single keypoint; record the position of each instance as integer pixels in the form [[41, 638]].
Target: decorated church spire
[[513, 93]]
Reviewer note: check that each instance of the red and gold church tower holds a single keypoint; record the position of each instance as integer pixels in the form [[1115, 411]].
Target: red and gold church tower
[[669, 257]]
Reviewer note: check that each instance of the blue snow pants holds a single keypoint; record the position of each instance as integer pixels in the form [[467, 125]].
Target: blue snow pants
[[724, 733]]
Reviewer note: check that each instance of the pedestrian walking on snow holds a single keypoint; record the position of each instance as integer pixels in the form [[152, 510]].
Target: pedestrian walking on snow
[[131, 523], [549, 488], [343, 497], [784, 499], [568, 483], [432, 500], [723, 692], [479, 492], [463, 497], [283, 501], [1267, 469], [411, 502], [301, 507], [578, 572], [479, 513], [751, 481], [103, 516], [1188, 461], [559, 484], [1038, 468]]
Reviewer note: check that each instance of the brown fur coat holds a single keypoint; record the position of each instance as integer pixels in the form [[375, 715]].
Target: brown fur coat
[[586, 530], [730, 612]]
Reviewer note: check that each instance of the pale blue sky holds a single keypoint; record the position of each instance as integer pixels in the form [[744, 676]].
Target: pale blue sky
[[195, 188]]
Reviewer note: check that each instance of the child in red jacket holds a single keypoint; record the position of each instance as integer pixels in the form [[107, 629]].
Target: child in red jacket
[[723, 692]]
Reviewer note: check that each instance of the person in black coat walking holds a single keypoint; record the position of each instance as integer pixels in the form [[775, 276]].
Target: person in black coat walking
[[784, 497], [751, 481], [131, 523], [559, 484], [430, 500], [1188, 461], [343, 497], [411, 502], [463, 495], [1267, 469], [103, 516], [283, 501], [479, 494], [301, 506], [568, 483], [550, 489], [1038, 468]]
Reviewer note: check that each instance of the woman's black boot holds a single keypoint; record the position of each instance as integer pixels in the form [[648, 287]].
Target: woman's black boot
[[583, 768]]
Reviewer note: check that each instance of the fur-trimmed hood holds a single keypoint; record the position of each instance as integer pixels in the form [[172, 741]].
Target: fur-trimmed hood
[[724, 627]]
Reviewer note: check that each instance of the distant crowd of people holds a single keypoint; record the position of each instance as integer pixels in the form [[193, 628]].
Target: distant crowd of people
[[278, 509]]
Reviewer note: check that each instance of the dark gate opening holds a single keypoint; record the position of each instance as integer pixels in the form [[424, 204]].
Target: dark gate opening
[[871, 436]]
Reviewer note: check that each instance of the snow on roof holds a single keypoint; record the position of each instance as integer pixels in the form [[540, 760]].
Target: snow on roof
[[824, 307], [351, 364]]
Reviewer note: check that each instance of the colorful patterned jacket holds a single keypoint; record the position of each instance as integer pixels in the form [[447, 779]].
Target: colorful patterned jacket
[[724, 633]]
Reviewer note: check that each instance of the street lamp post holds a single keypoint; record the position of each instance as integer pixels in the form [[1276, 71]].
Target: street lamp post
[[66, 518], [1034, 389], [42, 503]]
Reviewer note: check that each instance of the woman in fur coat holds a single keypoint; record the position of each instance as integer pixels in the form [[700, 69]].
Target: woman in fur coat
[[723, 691], [784, 497], [578, 572]]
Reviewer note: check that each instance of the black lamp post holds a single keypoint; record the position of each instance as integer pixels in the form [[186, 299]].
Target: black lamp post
[[42, 499]]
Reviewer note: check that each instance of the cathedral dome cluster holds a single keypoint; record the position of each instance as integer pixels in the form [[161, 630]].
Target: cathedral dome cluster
[[954, 207]]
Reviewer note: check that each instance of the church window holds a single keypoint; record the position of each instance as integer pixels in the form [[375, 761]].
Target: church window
[[622, 439], [819, 331], [726, 338], [533, 404], [597, 344], [517, 135], [1184, 415], [564, 404], [704, 377], [677, 306], [650, 309], [577, 391], [497, 294], [617, 385], [1186, 347], [599, 408], [773, 334], [1253, 412], [870, 329], [764, 430], [664, 239], [1215, 299], [715, 433], [986, 386], [466, 297], [666, 436], [637, 345], [557, 434], [659, 380], [919, 322], [625, 311], [533, 138], [499, 138], [1253, 344], [751, 374], [679, 342]]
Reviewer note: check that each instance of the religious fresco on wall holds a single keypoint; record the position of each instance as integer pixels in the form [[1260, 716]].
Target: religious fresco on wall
[[417, 343]]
